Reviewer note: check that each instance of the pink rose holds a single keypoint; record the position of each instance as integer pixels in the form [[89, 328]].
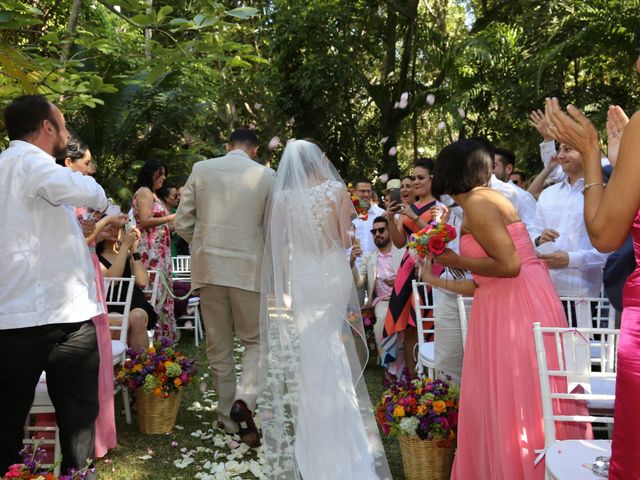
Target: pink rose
[[437, 245]]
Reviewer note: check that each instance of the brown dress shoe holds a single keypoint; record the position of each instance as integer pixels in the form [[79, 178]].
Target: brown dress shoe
[[241, 414]]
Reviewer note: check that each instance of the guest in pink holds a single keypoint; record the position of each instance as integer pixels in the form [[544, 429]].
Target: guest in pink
[[155, 223], [610, 213], [78, 159], [500, 423]]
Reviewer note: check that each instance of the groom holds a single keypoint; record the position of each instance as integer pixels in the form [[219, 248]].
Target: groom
[[221, 215]]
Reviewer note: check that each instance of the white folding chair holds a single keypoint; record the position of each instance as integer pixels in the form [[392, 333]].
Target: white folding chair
[[42, 405], [118, 293], [464, 307], [566, 459], [151, 292], [426, 349], [590, 312], [182, 271]]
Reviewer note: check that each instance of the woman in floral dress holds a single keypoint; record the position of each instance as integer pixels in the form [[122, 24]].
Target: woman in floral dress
[[155, 223]]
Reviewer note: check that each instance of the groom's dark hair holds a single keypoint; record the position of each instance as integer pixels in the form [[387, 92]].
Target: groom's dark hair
[[243, 136]]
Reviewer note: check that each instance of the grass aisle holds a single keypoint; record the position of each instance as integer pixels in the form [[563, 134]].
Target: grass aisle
[[196, 448]]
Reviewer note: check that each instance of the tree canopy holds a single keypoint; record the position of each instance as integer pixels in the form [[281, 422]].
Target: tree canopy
[[378, 83]]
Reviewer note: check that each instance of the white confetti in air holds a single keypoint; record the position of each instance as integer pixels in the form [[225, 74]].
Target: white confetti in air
[[420, 150], [273, 143], [396, 105], [384, 140], [431, 99], [441, 126], [393, 151], [257, 106], [404, 100], [384, 177], [462, 113]]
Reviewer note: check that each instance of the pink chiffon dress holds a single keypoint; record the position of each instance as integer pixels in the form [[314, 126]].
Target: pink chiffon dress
[[625, 458], [500, 422], [106, 421]]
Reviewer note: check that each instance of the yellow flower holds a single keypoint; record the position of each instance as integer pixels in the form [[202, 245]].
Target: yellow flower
[[398, 411], [439, 406], [168, 363], [152, 349], [137, 368], [422, 409]]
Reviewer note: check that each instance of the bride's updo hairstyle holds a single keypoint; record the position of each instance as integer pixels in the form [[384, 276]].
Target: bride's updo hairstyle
[[459, 167]]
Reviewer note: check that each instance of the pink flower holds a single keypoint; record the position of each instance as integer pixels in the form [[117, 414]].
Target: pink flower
[[437, 245], [451, 232]]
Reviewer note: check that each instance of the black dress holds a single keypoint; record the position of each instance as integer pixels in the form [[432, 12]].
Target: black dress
[[138, 299]]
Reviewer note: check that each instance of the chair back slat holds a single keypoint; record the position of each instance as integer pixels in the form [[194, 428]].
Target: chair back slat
[[119, 292]]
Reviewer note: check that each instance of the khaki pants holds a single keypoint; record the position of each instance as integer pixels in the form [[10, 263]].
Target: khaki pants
[[226, 312]]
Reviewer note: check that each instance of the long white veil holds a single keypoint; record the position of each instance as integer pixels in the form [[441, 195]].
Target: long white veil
[[316, 416]]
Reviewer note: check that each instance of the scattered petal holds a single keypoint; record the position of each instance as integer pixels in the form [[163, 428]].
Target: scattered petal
[[273, 143], [461, 112], [404, 100], [404, 96], [174, 444], [441, 125], [393, 151], [145, 457], [108, 461], [384, 177], [396, 105], [431, 99], [149, 451], [203, 387], [257, 106], [384, 140]]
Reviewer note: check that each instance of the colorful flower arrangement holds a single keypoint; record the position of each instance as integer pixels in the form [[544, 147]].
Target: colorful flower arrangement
[[430, 241], [31, 467], [419, 406], [361, 207], [159, 369]]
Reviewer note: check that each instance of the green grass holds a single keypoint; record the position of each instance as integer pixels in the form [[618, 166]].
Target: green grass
[[140, 456]]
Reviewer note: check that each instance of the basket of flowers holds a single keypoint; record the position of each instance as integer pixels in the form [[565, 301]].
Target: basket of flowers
[[32, 467], [157, 375], [423, 414]]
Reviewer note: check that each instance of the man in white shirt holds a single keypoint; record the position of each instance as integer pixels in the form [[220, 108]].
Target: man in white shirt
[[377, 272], [560, 234], [363, 190], [503, 166], [47, 286]]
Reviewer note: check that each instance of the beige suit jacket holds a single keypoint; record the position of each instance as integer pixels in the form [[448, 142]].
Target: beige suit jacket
[[368, 271], [221, 215]]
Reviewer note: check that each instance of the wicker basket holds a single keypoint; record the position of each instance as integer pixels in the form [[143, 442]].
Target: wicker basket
[[426, 459], [156, 414]]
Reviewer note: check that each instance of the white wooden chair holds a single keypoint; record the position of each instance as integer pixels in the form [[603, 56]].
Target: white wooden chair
[[151, 293], [566, 459], [182, 271], [426, 357], [118, 293], [42, 405]]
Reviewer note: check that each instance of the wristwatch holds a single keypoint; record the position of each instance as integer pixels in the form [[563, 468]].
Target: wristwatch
[[136, 256], [537, 241]]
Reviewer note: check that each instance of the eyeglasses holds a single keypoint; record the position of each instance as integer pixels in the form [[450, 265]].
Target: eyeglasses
[[376, 231]]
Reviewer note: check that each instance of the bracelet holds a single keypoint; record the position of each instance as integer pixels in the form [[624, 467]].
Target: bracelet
[[588, 186], [136, 256]]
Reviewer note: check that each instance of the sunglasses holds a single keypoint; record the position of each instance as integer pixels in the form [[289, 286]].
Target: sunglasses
[[376, 231]]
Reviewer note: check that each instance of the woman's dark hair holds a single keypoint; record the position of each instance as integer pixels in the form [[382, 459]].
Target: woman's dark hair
[[25, 114], [410, 177], [424, 162], [163, 193], [76, 149], [460, 166], [146, 173]]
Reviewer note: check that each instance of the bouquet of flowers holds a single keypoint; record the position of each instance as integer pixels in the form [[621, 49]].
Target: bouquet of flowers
[[159, 369], [419, 406], [31, 468], [430, 241], [361, 207]]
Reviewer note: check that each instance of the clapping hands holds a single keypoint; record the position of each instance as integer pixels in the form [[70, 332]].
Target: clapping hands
[[616, 122]]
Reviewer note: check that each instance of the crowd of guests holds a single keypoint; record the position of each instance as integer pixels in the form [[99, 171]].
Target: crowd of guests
[[520, 247]]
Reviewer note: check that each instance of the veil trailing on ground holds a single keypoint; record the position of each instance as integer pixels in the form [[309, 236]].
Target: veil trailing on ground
[[316, 416]]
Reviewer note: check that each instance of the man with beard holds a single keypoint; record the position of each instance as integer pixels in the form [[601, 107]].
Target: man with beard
[[377, 271], [47, 286]]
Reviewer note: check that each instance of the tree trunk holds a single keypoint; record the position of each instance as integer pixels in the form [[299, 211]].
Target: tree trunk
[[71, 28]]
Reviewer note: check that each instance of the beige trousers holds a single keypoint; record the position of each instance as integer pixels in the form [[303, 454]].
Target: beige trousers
[[226, 312]]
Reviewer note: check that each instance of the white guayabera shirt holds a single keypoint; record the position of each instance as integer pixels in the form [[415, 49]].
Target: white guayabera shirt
[[46, 273]]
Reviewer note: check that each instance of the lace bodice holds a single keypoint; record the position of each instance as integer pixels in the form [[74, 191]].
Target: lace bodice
[[323, 197]]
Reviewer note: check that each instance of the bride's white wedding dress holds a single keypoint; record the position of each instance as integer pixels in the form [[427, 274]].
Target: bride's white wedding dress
[[316, 415]]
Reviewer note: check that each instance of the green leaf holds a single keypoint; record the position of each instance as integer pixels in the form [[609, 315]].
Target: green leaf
[[156, 72], [95, 82], [242, 12], [201, 21], [143, 20], [163, 12], [50, 37], [238, 62], [6, 17]]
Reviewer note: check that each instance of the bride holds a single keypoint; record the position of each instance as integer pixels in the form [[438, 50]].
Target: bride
[[316, 415]]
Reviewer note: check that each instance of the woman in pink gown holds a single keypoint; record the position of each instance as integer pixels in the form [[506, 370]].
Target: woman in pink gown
[[500, 422], [609, 215], [78, 159]]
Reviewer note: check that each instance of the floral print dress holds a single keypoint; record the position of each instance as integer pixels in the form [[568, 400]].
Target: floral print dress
[[155, 252]]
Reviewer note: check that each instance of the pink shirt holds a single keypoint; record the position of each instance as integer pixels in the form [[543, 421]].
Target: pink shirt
[[384, 271]]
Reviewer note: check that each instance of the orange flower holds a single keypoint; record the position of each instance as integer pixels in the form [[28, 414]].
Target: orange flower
[[422, 409], [449, 403], [439, 406], [157, 391], [177, 382]]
